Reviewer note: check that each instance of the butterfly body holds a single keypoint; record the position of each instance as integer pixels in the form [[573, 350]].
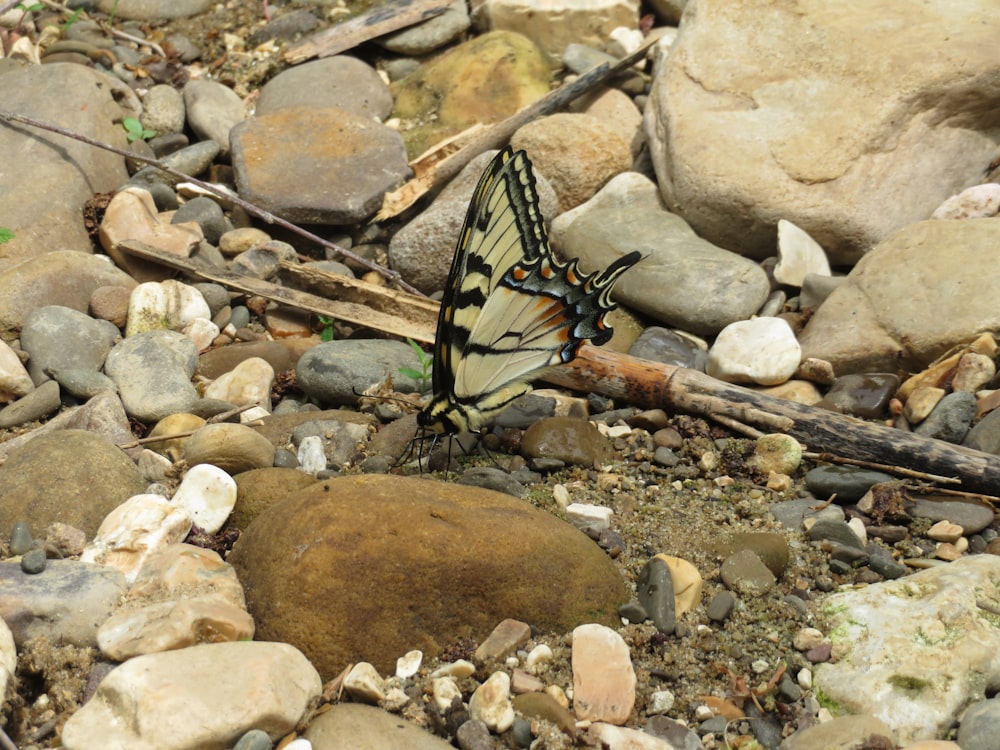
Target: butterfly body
[[510, 308]]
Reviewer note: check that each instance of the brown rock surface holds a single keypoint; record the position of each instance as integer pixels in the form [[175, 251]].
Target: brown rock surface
[[370, 567]]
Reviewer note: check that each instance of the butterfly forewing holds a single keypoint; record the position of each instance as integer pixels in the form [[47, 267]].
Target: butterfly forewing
[[509, 309]]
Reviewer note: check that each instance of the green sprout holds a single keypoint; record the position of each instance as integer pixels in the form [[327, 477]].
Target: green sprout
[[326, 332], [423, 375], [5, 235], [135, 131], [73, 18]]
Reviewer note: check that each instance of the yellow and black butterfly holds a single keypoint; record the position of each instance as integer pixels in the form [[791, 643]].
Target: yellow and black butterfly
[[510, 308]]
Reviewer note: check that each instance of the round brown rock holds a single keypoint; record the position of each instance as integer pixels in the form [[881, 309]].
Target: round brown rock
[[231, 447], [366, 568], [71, 476], [258, 489], [571, 440]]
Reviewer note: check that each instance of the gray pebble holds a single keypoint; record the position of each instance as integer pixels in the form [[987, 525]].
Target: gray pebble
[[207, 214], [285, 459], [745, 573], [255, 739], [491, 478], [526, 410], [951, 418], [985, 435], [669, 347], [57, 337], [791, 513], [882, 563], [212, 110], [33, 561], [192, 160], [972, 517], [20, 538], [655, 589], [163, 110], [520, 732], [721, 606], [847, 482], [633, 611], [864, 395], [980, 725], [39, 403], [474, 735], [336, 371], [153, 373], [665, 457], [835, 531]]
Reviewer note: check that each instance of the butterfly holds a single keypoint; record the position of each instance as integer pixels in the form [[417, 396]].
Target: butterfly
[[510, 308]]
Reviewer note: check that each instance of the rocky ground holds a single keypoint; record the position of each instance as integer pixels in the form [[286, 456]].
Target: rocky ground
[[778, 644]]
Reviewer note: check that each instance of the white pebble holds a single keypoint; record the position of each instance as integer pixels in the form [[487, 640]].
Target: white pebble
[[490, 703], [409, 664], [208, 495], [445, 690], [804, 678], [561, 495], [588, 517], [858, 527], [703, 713], [311, 455], [248, 383], [459, 669], [798, 255], [660, 702], [164, 304], [978, 201], [539, 655], [364, 683], [14, 379], [202, 332], [763, 351], [300, 743], [619, 430]]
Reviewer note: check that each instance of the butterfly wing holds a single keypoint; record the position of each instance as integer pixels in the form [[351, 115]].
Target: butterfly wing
[[510, 308], [498, 233]]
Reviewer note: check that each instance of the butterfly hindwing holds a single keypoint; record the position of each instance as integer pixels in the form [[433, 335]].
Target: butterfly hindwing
[[510, 308]]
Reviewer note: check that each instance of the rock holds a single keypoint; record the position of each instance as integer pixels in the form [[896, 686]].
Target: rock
[[339, 81], [60, 338], [428, 35], [840, 732], [490, 703], [150, 10], [670, 347], [603, 678], [137, 704], [364, 683], [61, 277], [746, 574], [317, 165], [207, 494], [44, 213], [152, 372], [258, 489], [915, 651], [504, 639], [352, 726], [621, 738], [777, 452], [135, 529], [866, 395], [132, 215], [66, 603], [8, 656], [248, 383], [770, 547], [979, 725], [14, 379], [234, 448], [571, 440], [831, 148], [37, 404], [762, 351], [655, 590], [552, 26], [798, 256], [328, 616], [213, 111], [167, 305], [336, 371], [577, 153], [875, 322], [484, 80], [590, 519], [848, 483], [976, 202], [163, 110], [71, 476], [682, 280], [950, 419], [973, 517]]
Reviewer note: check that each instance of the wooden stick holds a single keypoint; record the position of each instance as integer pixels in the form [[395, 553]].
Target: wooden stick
[[374, 23], [655, 385], [415, 326]]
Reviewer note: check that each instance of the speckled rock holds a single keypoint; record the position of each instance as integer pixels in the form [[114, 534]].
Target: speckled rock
[[343, 539], [574, 441], [71, 476]]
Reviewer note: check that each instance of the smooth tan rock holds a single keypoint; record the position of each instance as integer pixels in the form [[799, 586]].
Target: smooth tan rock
[[132, 215], [71, 476], [603, 678], [14, 379], [490, 703], [898, 307], [358, 547], [353, 726], [136, 707], [258, 489], [506, 637], [687, 583], [778, 452], [175, 424], [234, 448], [791, 124], [167, 626], [248, 383]]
